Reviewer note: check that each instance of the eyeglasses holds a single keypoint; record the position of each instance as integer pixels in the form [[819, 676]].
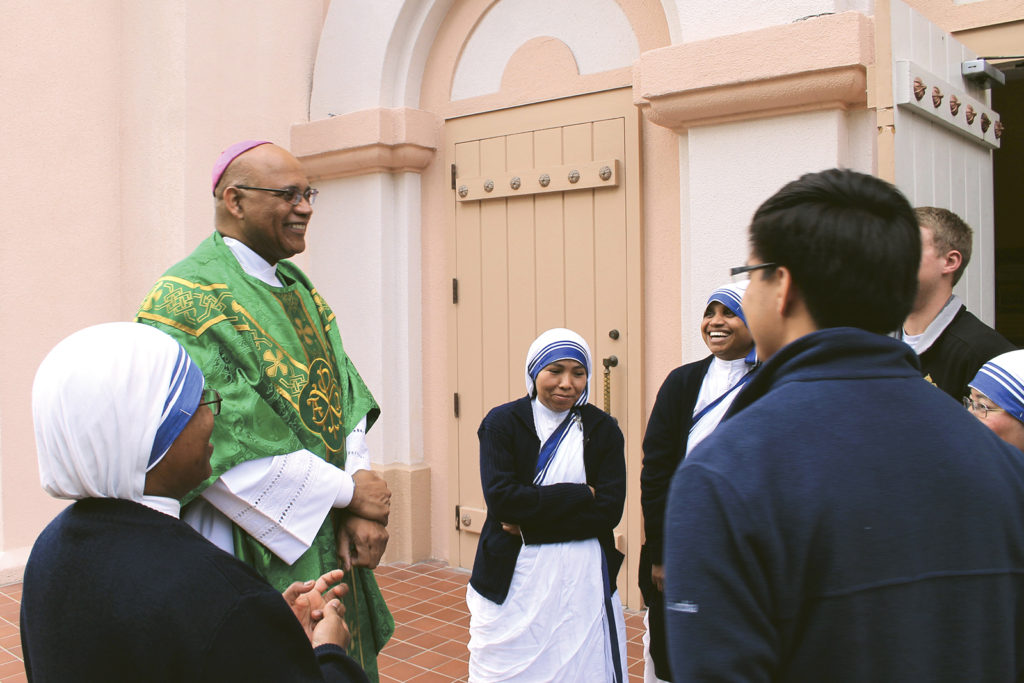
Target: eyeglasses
[[980, 409], [743, 272], [289, 194], [210, 397]]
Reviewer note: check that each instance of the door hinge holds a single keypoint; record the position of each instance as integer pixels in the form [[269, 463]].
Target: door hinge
[[455, 290], [453, 176], [458, 515], [455, 403]]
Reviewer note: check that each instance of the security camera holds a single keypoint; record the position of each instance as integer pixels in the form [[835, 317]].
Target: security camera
[[980, 72]]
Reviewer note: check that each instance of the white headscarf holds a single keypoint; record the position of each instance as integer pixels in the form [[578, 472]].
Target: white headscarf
[[554, 345], [730, 295], [107, 403], [1002, 380]]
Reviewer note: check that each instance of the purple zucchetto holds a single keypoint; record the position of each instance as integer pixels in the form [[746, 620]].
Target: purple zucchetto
[[229, 155]]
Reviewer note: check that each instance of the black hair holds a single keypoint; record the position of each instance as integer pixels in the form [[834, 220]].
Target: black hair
[[851, 243]]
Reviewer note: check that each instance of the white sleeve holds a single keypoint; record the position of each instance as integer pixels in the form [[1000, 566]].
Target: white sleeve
[[281, 501], [210, 523], [357, 455]]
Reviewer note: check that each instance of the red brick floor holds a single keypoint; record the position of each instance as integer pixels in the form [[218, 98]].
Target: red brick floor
[[12, 667], [428, 600]]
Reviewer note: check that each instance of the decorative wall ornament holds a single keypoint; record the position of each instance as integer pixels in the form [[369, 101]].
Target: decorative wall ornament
[[463, 191], [574, 176], [912, 82], [605, 173], [919, 89], [998, 130], [544, 180], [488, 185], [515, 183]]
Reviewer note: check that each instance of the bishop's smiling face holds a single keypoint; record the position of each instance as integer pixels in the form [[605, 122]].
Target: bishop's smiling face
[[724, 332], [270, 225]]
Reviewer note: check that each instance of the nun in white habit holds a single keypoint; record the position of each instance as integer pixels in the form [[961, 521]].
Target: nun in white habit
[[691, 402], [542, 595], [117, 587], [997, 397]]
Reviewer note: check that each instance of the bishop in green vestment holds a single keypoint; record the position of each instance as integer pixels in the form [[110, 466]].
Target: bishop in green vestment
[[269, 343]]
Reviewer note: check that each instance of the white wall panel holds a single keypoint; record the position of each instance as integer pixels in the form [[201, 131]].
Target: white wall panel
[[729, 171], [937, 166], [364, 248]]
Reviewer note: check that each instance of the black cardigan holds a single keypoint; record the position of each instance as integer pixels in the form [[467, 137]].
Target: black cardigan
[[115, 591], [966, 344], [668, 430], [546, 514]]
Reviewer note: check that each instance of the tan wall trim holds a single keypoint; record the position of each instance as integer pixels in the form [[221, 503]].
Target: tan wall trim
[[1002, 39], [952, 17], [819, 63], [882, 98], [369, 141], [409, 523]]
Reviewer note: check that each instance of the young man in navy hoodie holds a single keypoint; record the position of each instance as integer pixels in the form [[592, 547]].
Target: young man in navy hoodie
[[852, 524]]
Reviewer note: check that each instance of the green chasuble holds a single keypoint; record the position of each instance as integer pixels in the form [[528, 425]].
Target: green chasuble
[[275, 356]]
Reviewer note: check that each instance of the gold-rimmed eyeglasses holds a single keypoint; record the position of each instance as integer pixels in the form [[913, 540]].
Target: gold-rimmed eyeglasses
[[292, 195], [979, 408]]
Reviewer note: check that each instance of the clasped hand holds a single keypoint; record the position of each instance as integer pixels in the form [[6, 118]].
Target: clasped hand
[[361, 542], [371, 498], [362, 536], [317, 606]]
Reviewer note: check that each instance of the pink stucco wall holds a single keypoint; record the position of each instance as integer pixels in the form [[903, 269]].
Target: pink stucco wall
[[112, 116]]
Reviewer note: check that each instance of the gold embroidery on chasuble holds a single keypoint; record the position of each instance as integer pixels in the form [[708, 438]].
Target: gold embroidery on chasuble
[[185, 305], [311, 388], [319, 403]]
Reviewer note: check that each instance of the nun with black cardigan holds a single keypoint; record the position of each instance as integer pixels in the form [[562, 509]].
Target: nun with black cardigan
[[542, 595], [690, 404], [117, 587]]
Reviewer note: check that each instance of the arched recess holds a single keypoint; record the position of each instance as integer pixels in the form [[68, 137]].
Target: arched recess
[[373, 54]]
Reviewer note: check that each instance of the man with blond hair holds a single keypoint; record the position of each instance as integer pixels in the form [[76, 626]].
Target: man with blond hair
[[950, 341]]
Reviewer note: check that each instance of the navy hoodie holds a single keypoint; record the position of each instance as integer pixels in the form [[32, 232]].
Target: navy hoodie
[[851, 524]]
